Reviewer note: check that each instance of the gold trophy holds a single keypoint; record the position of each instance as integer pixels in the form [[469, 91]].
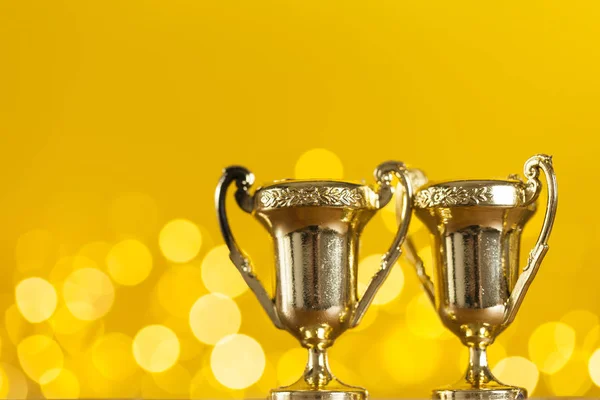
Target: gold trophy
[[476, 227], [315, 226]]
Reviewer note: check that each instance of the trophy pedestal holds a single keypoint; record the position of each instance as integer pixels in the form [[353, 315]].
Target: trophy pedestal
[[334, 390], [495, 393]]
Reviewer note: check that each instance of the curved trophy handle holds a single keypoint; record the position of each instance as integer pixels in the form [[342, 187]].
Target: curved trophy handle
[[243, 180], [532, 171], [415, 260], [384, 174]]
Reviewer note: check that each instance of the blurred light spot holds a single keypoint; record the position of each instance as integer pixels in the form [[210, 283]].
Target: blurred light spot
[[134, 214], [4, 384], [180, 240], [583, 322], [63, 322], [18, 328], [496, 352], [420, 357], [573, 379], [96, 385], [112, 356], [36, 299], [220, 275], [63, 268], [394, 283], [88, 293], [33, 250], [186, 281], [267, 381], [205, 385], [319, 164], [189, 346], [156, 348], [590, 341], [41, 358], [291, 365], [175, 380], [64, 386], [517, 371], [369, 317], [13, 383], [237, 361], [594, 367], [94, 252], [421, 318], [551, 345], [213, 317], [129, 262]]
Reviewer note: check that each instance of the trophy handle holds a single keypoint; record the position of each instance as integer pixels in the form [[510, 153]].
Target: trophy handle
[[384, 174], [243, 180], [532, 171], [415, 260]]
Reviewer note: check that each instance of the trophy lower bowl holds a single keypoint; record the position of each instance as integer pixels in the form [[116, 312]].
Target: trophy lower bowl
[[492, 393], [335, 390]]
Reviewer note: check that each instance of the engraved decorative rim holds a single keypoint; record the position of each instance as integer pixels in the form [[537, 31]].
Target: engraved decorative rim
[[509, 193], [338, 194]]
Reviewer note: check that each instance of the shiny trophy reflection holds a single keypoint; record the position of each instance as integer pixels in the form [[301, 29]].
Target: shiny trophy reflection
[[315, 226], [476, 227]]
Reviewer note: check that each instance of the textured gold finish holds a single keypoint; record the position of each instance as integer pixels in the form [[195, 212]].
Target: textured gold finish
[[476, 228], [315, 226]]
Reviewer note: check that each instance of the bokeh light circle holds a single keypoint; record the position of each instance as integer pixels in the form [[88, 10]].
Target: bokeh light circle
[[112, 356], [64, 386], [40, 357], [594, 367], [129, 262], [572, 380], [519, 371], [421, 318], [186, 281], [319, 164], [213, 317], [220, 275], [88, 293], [368, 266], [551, 346], [14, 384], [237, 361], [176, 380], [417, 366], [180, 240], [290, 366], [156, 348], [36, 299]]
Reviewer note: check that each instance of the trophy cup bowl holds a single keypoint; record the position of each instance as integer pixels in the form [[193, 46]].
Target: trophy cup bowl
[[476, 227], [315, 226]]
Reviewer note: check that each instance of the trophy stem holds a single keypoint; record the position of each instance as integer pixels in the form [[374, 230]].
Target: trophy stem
[[317, 373], [478, 372]]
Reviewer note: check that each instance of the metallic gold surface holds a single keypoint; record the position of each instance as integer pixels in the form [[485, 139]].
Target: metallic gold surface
[[315, 226], [477, 290]]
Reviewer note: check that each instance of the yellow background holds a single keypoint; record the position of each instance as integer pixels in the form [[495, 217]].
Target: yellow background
[[117, 117]]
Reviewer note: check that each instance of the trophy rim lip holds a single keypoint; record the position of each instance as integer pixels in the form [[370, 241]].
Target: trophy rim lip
[[475, 182], [290, 182], [486, 197]]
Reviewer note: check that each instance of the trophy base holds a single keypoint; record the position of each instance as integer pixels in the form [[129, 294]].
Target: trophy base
[[495, 393], [335, 390]]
